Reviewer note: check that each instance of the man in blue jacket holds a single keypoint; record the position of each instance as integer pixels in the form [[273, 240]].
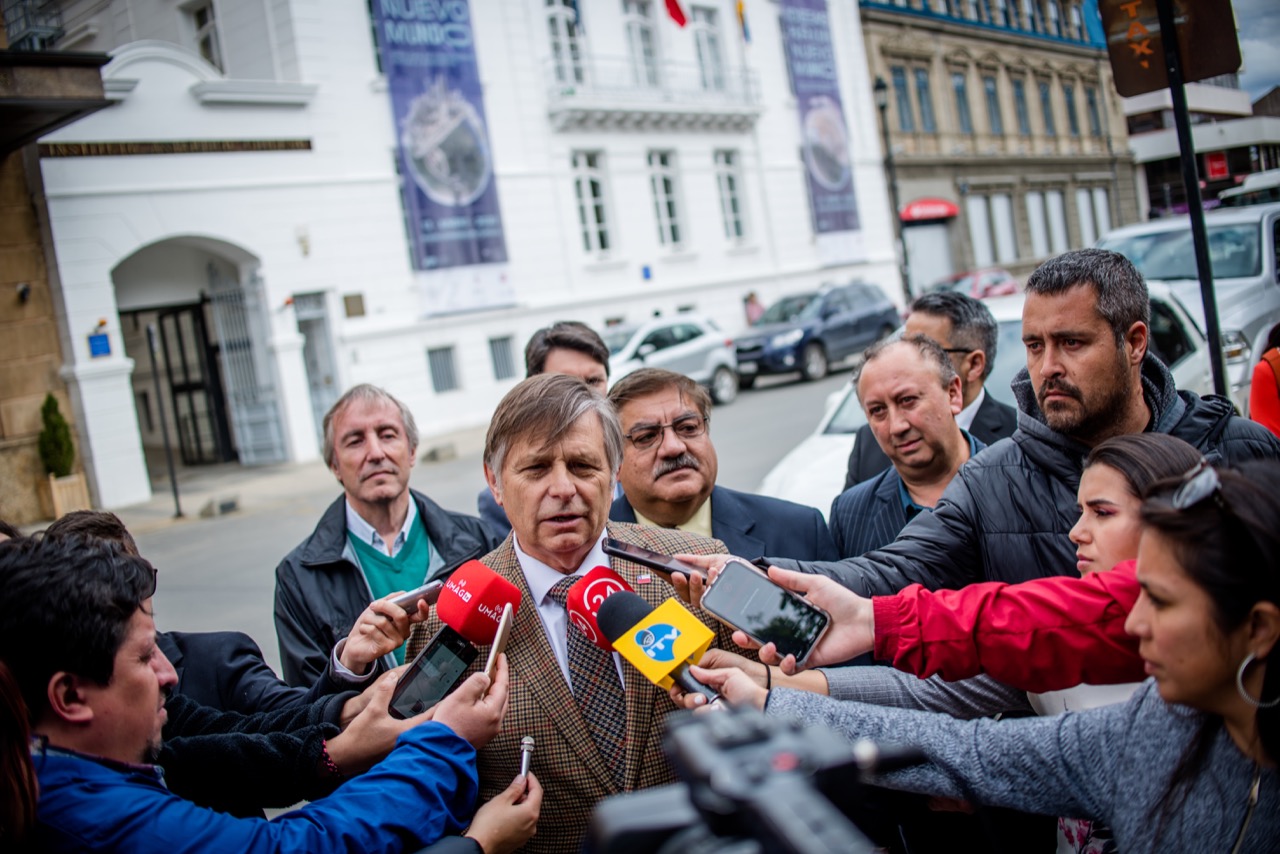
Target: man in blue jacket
[[669, 468], [76, 630]]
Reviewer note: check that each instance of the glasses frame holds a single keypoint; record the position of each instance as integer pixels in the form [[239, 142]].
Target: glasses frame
[[1201, 483], [703, 423]]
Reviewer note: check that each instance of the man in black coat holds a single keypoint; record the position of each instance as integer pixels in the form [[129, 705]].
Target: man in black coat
[[668, 475], [378, 537], [967, 331], [1089, 376]]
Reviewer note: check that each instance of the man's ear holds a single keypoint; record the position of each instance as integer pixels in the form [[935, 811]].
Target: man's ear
[[975, 364], [494, 489], [955, 395], [67, 698], [1138, 339]]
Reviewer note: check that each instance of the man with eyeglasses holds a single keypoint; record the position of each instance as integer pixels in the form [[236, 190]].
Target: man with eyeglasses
[[967, 331], [668, 475]]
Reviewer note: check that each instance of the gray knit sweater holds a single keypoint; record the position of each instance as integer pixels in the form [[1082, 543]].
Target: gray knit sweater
[[1112, 763]]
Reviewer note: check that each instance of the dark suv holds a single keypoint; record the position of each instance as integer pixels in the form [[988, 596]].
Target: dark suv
[[806, 332]]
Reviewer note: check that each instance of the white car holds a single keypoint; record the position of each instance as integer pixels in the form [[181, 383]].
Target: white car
[[813, 472], [688, 344]]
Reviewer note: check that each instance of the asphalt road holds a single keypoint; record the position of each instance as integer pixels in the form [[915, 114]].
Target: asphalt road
[[218, 573]]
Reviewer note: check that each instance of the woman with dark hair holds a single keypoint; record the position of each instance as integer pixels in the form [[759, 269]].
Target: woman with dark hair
[[1189, 762], [18, 790]]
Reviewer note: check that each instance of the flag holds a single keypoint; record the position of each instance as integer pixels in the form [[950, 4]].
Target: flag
[[676, 13], [742, 21]]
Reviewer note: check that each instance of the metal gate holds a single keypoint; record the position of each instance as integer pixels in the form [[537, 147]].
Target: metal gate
[[317, 353], [238, 316], [195, 388]]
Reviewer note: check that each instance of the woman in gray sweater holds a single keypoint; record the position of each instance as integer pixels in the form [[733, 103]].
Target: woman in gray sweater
[[1189, 763]]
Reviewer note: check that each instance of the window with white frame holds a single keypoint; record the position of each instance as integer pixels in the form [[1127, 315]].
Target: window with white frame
[[593, 206], [1093, 210], [444, 377], [204, 27], [960, 85], [641, 44], [666, 202], [706, 40], [562, 30], [1047, 218], [991, 231], [729, 181]]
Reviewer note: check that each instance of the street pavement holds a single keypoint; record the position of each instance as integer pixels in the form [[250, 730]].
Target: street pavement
[[218, 573]]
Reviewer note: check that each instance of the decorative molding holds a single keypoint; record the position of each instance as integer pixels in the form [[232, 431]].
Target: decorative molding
[[272, 93], [140, 147], [118, 88]]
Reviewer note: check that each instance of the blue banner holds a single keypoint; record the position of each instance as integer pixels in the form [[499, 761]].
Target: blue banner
[[446, 163], [806, 40]]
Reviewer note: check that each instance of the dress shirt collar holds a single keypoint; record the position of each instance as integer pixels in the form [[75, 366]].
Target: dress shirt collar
[[541, 578], [365, 533], [965, 417], [699, 523]]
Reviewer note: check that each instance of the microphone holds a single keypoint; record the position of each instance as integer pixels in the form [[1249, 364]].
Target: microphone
[[659, 642], [472, 600], [586, 596]]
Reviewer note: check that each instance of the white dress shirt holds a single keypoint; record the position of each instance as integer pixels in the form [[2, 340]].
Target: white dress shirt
[[965, 417], [555, 619], [365, 533]]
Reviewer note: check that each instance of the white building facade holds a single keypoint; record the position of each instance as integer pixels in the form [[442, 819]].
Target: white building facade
[[242, 199]]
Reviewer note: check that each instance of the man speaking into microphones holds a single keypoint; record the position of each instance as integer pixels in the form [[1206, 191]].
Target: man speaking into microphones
[[550, 456]]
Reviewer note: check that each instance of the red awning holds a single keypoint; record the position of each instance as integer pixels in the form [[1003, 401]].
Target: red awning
[[922, 209]]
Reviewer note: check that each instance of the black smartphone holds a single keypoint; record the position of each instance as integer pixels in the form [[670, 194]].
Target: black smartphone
[[432, 674], [744, 598], [664, 564]]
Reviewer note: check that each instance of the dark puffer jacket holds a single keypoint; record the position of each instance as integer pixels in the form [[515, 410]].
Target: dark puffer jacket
[[1006, 515], [320, 593]]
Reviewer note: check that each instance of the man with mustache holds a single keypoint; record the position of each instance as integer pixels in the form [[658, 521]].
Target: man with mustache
[[668, 475], [1089, 376], [378, 538]]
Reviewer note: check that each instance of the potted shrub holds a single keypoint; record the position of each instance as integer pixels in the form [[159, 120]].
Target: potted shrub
[[63, 490]]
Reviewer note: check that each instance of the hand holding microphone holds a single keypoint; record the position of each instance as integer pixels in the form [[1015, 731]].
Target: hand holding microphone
[[660, 642]]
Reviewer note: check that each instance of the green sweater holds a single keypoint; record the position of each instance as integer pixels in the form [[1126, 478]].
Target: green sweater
[[407, 570]]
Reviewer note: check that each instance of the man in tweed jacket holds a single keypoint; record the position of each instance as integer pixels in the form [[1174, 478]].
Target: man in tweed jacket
[[550, 456]]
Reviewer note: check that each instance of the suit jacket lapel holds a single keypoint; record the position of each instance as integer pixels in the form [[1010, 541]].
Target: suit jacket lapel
[[732, 525]]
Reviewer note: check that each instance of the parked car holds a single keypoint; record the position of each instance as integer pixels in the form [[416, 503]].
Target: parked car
[[1243, 244], [688, 344], [806, 332], [813, 472], [979, 284]]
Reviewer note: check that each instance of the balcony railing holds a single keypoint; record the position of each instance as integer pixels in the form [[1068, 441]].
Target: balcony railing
[[604, 91]]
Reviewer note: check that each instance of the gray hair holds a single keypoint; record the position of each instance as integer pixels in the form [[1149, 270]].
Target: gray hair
[[931, 351], [366, 393], [972, 324], [547, 406], [1122, 292]]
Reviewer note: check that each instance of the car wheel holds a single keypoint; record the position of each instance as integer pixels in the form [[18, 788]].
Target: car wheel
[[724, 386], [746, 382], [813, 364]]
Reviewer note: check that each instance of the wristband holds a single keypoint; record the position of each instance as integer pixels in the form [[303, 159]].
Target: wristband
[[329, 765], [768, 677]]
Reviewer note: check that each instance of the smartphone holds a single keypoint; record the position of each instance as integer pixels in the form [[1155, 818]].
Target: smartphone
[[499, 640], [432, 674], [744, 598], [664, 564], [428, 592]]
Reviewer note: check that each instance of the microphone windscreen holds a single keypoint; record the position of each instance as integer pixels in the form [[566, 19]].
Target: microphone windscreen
[[620, 612], [585, 598], [472, 600]]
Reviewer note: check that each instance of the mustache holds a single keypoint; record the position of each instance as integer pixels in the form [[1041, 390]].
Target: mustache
[[686, 460], [1059, 386]]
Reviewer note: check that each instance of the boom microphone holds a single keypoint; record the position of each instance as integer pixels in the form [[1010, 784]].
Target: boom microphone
[[586, 596], [659, 642], [472, 600]]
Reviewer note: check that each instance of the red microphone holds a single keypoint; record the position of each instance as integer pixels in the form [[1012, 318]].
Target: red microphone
[[585, 596], [472, 600]]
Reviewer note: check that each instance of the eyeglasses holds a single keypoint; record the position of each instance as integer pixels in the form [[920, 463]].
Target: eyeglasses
[[1198, 484], [957, 349], [155, 577], [688, 427]]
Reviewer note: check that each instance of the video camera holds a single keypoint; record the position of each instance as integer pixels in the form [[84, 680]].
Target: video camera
[[752, 784]]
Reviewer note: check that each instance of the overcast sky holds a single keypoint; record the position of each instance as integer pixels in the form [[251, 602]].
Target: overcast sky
[[1259, 23]]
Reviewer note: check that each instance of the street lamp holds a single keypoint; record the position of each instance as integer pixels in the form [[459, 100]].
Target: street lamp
[[881, 90]]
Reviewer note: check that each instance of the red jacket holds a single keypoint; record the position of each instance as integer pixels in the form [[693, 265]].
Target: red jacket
[[1041, 635]]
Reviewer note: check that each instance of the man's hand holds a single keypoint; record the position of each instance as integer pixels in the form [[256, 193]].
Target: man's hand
[[373, 732], [474, 711], [719, 659], [735, 687], [689, 588], [510, 819], [852, 631], [382, 627]]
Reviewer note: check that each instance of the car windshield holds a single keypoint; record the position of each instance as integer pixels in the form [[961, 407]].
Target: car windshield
[[788, 309], [1234, 251], [848, 417], [617, 337]]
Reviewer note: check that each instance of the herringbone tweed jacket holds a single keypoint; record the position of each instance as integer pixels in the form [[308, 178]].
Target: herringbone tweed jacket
[[565, 760]]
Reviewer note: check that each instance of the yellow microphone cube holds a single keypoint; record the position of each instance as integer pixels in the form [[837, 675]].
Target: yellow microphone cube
[[667, 637]]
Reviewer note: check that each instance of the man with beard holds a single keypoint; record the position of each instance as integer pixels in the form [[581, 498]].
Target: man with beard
[[1089, 376], [379, 537], [669, 468]]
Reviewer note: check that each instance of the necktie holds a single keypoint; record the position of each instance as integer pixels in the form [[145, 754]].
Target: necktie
[[596, 689]]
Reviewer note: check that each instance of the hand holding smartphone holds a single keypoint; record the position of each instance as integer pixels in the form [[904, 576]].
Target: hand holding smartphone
[[746, 599], [432, 674], [665, 565], [428, 593]]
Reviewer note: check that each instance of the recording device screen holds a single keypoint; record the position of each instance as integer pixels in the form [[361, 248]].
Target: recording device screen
[[432, 674], [746, 599]]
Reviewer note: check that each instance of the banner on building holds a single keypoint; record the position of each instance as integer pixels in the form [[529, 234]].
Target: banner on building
[[806, 39], [446, 162]]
